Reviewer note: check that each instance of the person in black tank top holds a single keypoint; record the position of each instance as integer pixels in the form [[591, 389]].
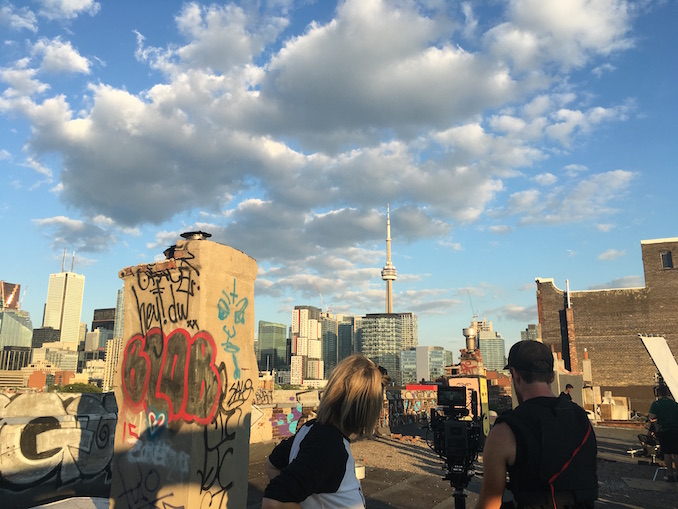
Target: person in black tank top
[[546, 444]]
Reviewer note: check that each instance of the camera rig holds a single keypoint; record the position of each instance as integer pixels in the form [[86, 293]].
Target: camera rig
[[457, 436]]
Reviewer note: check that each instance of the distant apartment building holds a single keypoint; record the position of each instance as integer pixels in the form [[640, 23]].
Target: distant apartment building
[[606, 323], [10, 296], [12, 379], [450, 358], [531, 333], [491, 344], [306, 344], [13, 358], [94, 372], [16, 328], [410, 330], [381, 336], [345, 337], [329, 337], [408, 366], [272, 346], [112, 357], [97, 339], [44, 335], [421, 363], [118, 320], [62, 359], [103, 319], [64, 306]]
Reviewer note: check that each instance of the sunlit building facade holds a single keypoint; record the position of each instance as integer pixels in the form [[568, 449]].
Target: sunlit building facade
[[64, 306]]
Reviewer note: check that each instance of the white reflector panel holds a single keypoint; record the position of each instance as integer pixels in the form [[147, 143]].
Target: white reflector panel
[[664, 360]]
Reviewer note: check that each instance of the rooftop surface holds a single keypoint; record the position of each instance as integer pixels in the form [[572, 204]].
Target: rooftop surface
[[404, 473]]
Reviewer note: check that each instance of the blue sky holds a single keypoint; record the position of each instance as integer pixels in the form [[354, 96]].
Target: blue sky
[[512, 140]]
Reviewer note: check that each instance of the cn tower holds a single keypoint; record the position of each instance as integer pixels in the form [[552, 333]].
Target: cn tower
[[388, 273]]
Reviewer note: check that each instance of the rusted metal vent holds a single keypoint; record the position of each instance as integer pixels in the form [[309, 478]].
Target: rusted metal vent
[[196, 235]]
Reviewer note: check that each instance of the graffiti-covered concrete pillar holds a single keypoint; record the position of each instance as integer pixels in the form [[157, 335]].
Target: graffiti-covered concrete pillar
[[186, 379]]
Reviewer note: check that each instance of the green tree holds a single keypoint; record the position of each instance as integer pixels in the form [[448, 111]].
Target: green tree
[[80, 388]]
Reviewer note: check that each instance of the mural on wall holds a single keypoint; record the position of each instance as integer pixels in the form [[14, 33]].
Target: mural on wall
[[285, 423], [50, 441], [408, 406], [186, 385]]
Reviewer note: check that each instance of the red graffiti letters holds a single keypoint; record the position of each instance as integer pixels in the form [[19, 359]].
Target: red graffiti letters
[[172, 374]]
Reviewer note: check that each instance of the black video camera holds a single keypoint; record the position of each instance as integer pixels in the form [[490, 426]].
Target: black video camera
[[456, 432]]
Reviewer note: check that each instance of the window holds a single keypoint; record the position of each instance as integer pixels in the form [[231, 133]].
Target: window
[[667, 260]]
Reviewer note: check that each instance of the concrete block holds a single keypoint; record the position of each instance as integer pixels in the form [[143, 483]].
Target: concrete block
[[186, 380]]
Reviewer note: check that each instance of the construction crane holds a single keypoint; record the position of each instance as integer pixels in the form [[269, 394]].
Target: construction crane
[[22, 297], [327, 308]]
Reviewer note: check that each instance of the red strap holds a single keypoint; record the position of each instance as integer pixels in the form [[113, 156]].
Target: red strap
[[567, 464]]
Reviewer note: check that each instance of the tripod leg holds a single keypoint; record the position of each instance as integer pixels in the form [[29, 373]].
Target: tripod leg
[[459, 498]]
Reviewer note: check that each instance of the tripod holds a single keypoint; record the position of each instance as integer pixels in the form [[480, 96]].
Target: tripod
[[459, 477]]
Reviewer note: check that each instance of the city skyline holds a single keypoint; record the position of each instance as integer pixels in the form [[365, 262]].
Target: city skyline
[[512, 141]]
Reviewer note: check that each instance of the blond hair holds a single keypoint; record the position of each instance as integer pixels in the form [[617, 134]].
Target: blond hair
[[353, 397]]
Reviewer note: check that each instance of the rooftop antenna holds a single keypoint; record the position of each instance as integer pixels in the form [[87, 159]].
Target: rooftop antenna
[[73, 261], [63, 262]]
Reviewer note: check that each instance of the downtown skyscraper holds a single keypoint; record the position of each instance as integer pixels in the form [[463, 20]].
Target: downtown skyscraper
[[64, 306], [272, 344]]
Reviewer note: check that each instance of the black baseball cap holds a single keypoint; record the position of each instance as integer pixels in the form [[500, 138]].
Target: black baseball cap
[[532, 356]]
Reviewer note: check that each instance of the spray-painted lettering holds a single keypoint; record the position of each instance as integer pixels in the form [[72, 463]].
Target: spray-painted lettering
[[174, 375], [170, 292], [42, 454]]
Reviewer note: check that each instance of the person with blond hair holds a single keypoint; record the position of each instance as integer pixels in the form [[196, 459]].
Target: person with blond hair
[[315, 468]]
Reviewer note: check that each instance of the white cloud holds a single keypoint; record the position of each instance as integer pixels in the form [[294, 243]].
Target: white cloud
[[22, 83], [163, 239], [601, 69], [75, 234], [611, 254], [39, 168], [290, 149], [515, 312], [573, 170], [567, 34], [323, 89], [501, 229], [59, 56], [587, 199], [604, 227], [545, 179], [623, 282], [21, 18], [224, 36], [454, 246], [523, 201], [67, 9], [568, 123]]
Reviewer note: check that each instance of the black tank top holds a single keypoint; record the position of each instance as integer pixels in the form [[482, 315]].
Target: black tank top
[[555, 445]]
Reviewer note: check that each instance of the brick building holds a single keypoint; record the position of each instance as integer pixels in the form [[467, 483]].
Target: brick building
[[607, 322]]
